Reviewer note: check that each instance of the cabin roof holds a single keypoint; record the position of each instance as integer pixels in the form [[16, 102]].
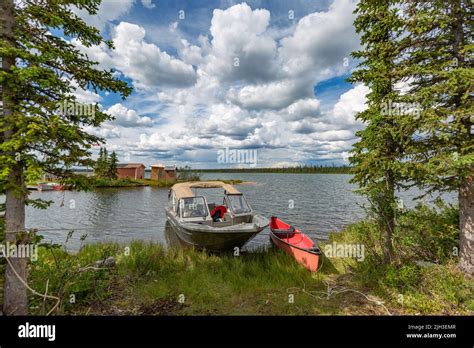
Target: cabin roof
[[185, 189], [130, 165]]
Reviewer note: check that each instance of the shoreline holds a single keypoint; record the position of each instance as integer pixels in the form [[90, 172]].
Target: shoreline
[[127, 183], [145, 278]]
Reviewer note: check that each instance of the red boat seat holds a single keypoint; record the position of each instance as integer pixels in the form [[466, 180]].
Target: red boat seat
[[221, 209]]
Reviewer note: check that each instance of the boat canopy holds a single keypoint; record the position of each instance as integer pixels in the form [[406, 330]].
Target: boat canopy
[[185, 189]]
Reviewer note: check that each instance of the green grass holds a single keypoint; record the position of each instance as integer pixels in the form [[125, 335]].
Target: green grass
[[142, 182], [125, 182], [150, 279]]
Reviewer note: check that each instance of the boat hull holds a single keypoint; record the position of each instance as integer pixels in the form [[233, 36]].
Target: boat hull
[[305, 258], [216, 240], [295, 243]]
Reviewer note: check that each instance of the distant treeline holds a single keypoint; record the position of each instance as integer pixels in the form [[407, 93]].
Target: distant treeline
[[300, 169]]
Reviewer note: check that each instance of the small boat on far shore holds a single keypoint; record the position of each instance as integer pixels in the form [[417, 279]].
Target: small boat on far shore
[[295, 243], [46, 186]]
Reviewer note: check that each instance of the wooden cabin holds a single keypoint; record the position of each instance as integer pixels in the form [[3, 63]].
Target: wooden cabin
[[131, 170], [163, 173], [49, 177]]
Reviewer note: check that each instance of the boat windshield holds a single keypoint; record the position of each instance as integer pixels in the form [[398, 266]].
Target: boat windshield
[[193, 207], [238, 204]]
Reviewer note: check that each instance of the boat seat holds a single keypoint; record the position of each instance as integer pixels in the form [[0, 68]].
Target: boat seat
[[291, 230], [315, 250], [218, 212]]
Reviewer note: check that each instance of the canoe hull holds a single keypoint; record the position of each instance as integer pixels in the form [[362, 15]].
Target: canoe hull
[[295, 243], [305, 258]]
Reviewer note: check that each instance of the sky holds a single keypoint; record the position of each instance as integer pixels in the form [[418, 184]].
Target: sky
[[268, 77]]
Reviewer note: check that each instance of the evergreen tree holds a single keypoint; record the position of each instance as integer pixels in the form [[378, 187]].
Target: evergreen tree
[[438, 57], [38, 129], [113, 160], [105, 161], [99, 163], [376, 156]]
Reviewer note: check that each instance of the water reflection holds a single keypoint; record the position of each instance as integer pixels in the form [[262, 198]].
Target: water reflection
[[317, 204]]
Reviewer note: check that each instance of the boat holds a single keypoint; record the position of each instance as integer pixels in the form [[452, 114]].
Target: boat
[[46, 186], [212, 226], [58, 187], [295, 243]]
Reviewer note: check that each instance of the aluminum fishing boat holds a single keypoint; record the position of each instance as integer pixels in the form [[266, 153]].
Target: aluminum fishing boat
[[212, 226]]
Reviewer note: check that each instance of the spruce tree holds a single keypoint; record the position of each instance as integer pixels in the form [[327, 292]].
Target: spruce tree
[[438, 58], [376, 156], [41, 128], [112, 168]]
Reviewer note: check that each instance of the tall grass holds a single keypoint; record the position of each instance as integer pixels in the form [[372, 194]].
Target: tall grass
[[147, 278]]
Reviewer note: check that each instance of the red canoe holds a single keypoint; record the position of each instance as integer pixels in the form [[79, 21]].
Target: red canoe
[[295, 243]]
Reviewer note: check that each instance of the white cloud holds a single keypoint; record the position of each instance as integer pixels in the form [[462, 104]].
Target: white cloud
[[109, 10], [206, 102], [105, 131], [285, 164], [148, 4], [240, 48], [127, 118], [228, 120], [321, 41], [190, 54], [303, 108], [145, 63], [273, 95], [350, 103]]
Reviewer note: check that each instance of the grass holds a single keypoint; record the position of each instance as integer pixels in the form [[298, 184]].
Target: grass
[[144, 182], [149, 279], [127, 182]]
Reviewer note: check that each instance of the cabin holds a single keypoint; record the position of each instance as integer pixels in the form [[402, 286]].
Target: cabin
[[163, 173], [49, 177], [130, 170]]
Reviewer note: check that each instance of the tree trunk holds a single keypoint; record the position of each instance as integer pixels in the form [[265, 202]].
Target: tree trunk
[[15, 300], [466, 226], [389, 215], [466, 189]]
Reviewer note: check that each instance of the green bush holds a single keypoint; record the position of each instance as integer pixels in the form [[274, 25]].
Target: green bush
[[428, 233], [74, 278], [424, 277]]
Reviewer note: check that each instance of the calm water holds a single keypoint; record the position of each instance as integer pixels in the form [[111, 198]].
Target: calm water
[[316, 203]]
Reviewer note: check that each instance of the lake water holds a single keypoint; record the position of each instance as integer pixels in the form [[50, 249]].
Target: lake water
[[316, 203]]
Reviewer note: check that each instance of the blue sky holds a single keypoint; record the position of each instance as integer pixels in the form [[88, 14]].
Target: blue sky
[[209, 75]]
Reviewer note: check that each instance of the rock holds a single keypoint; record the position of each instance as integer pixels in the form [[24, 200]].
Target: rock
[[424, 264], [108, 262]]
